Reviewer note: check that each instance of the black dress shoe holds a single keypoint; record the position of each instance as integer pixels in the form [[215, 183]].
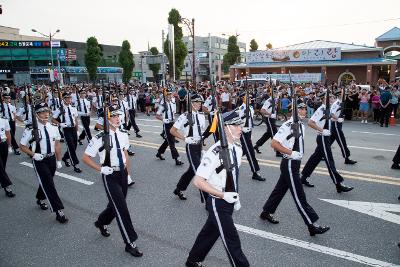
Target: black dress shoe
[[193, 264], [9, 192], [395, 166], [343, 188], [60, 217], [178, 162], [77, 169], [317, 230], [306, 183], [138, 135], [160, 156], [349, 161], [180, 194], [131, 153], [131, 183], [257, 177], [16, 152], [267, 216], [42, 204], [134, 251], [257, 150], [103, 229], [66, 163]]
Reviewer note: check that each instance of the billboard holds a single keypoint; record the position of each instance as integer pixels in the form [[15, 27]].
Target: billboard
[[318, 54]]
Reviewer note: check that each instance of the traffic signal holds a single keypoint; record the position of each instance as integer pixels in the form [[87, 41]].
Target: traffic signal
[[167, 66]]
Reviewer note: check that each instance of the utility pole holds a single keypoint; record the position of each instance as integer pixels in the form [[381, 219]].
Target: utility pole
[[193, 58], [210, 58], [162, 60]]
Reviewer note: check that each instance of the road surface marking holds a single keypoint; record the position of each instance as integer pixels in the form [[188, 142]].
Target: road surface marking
[[66, 176], [314, 247], [372, 148], [376, 133], [378, 210]]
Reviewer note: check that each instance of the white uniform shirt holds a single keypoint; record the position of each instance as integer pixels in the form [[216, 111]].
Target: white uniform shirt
[[21, 113], [284, 131], [318, 117], [225, 97], [66, 118], [208, 104], [335, 109], [74, 99], [98, 101], [267, 106], [4, 126], [171, 110], [82, 104], [9, 111], [183, 120], [242, 115], [211, 161], [54, 135], [96, 143], [131, 101], [124, 109]]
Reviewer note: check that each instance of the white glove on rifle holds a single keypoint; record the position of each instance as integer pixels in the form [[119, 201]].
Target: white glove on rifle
[[106, 170], [246, 129], [326, 132], [273, 116], [38, 157], [296, 155], [340, 120], [63, 125], [192, 140], [165, 120], [237, 205], [59, 165], [231, 197]]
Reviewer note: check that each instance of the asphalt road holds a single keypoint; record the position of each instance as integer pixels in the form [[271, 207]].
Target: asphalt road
[[167, 227]]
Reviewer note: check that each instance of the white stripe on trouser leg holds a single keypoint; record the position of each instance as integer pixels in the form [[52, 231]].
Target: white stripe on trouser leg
[[116, 209], [221, 232], [340, 139], [165, 134], [41, 185], [248, 153], [270, 126], [190, 158], [296, 198], [327, 160]]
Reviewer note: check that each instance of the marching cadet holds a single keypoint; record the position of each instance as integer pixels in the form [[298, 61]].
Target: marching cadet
[[125, 119], [83, 108], [5, 143], [192, 137], [322, 125], [293, 150], [210, 106], [45, 160], [132, 103], [97, 103], [245, 138], [337, 131], [9, 112], [23, 115], [69, 124], [114, 180], [166, 112], [55, 103], [220, 204], [396, 160]]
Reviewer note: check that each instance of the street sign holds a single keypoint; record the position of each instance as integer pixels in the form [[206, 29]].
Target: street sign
[[70, 54], [154, 59]]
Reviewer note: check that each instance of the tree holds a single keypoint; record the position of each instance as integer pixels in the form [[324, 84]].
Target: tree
[[181, 51], [155, 68], [92, 57], [233, 54], [125, 59], [269, 46], [253, 45]]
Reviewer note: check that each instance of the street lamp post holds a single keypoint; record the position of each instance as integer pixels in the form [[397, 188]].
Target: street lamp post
[[190, 25]]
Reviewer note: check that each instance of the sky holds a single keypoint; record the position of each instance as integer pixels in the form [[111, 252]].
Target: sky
[[281, 23]]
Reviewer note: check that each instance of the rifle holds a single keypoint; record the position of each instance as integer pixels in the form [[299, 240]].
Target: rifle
[[342, 104], [36, 136], [3, 110], [295, 125], [189, 114], [26, 99], [246, 124], [165, 103], [62, 111], [272, 96], [78, 100], [327, 114], [106, 138], [53, 101]]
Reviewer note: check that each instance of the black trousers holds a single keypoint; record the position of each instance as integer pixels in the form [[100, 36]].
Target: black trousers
[[71, 138], [248, 150], [271, 131], [194, 156], [169, 140], [86, 128], [338, 136], [182, 106], [45, 171], [116, 186], [290, 179], [4, 179], [385, 115], [14, 143], [396, 158], [323, 149], [207, 132], [219, 224], [132, 121]]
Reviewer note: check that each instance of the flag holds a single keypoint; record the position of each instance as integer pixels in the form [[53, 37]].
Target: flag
[[214, 124]]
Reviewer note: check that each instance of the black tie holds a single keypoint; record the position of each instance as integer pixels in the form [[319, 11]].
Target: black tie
[[235, 162], [70, 117], [170, 109], [198, 125], [84, 106], [9, 112], [132, 107], [48, 147], [119, 154]]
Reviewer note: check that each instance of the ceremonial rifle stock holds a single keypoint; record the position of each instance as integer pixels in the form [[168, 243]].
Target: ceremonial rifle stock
[[106, 138], [36, 137]]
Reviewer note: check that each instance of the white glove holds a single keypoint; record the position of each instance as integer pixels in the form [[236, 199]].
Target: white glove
[[26, 122], [296, 155], [165, 120], [63, 125], [340, 120], [326, 132], [246, 129], [273, 116], [10, 150], [59, 165], [231, 197], [191, 140], [38, 157], [106, 170], [237, 205]]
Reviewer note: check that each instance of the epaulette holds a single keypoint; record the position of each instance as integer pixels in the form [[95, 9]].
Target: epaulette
[[216, 150], [288, 123], [99, 135]]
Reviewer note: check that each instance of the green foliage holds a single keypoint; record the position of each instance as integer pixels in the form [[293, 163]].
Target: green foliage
[[125, 59], [233, 54], [253, 45], [155, 68], [92, 57], [269, 46], [181, 51]]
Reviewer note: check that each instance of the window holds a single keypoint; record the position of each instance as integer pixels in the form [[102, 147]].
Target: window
[[217, 45], [224, 46]]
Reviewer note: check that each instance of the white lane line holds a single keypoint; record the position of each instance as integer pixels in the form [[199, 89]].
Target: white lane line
[[375, 133], [147, 125], [372, 148], [66, 176], [314, 247]]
